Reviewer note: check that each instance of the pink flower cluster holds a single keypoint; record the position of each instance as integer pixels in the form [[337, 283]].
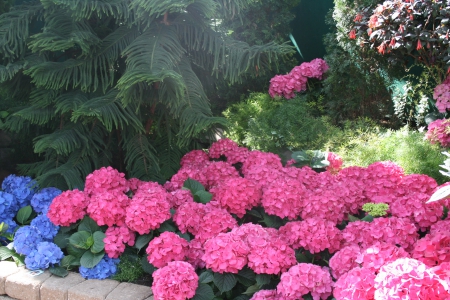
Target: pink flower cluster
[[176, 281], [442, 95], [105, 179], [433, 249], [68, 208], [296, 80], [166, 248], [439, 132], [116, 238]]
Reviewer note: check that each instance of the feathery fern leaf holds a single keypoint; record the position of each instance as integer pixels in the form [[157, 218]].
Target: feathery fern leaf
[[7, 72], [140, 156]]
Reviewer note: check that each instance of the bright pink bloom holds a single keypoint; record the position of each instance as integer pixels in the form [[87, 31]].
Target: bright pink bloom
[[195, 253], [176, 281], [166, 248], [219, 171], [267, 295], [108, 208], [383, 179], [67, 208], [194, 158], [302, 279], [259, 158], [189, 171], [357, 284], [105, 179], [433, 249], [379, 254], [115, 240], [179, 197], [439, 131], [335, 163], [344, 260], [442, 96], [222, 147]]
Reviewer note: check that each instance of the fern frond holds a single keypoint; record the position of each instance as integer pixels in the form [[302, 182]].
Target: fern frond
[[61, 33], [169, 154], [140, 156], [37, 115], [109, 111], [14, 29], [10, 70], [70, 101]]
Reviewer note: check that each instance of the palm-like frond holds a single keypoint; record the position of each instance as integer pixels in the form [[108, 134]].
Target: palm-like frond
[[140, 156], [7, 72]]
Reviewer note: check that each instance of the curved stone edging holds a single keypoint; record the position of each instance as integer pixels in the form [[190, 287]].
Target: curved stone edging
[[18, 283]]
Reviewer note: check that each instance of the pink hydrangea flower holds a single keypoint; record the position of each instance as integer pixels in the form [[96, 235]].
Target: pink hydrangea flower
[[237, 195], [67, 208], [263, 176], [266, 295], [105, 179], [188, 216], [442, 95], [283, 198], [416, 183], [222, 147], [344, 260], [195, 253], [357, 284], [251, 233], [166, 248], [108, 208], [176, 281], [116, 238], [259, 158], [178, 197], [238, 155], [325, 203], [379, 254], [193, 172], [147, 211], [382, 182], [407, 278], [277, 85], [439, 131], [433, 249], [225, 253], [335, 163], [134, 184], [213, 222], [304, 278], [440, 226], [194, 158], [219, 171], [313, 234]]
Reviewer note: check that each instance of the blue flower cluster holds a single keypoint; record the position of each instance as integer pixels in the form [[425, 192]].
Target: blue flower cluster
[[26, 239], [8, 205], [22, 187], [45, 227], [45, 254], [41, 200], [106, 268]]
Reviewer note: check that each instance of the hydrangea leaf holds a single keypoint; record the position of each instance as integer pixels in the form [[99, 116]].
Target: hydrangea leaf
[[352, 218], [143, 240], [67, 261], [247, 277], [193, 185], [24, 214], [202, 197], [90, 260], [206, 276], [203, 292], [77, 252], [148, 267], [89, 225], [5, 253], [262, 279], [58, 271], [251, 290], [98, 245], [167, 226], [61, 239], [224, 282], [80, 239]]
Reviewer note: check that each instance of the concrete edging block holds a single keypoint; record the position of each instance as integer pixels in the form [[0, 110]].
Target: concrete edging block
[[127, 291], [92, 289], [24, 286], [7, 268], [57, 288]]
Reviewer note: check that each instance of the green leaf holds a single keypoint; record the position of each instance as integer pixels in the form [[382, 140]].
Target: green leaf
[[193, 185], [367, 218], [225, 282], [80, 239], [5, 253], [167, 226], [143, 240], [148, 267], [98, 245], [24, 214], [352, 218], [246, 277], [58, 271], [262, 279], [206, 276], [301, 258], [202, 197], [77, 252], [251, 290], [185, 236], [3, 227], [61, 239], [89, 225], [255, 213], [90, 260], [272, 221], [203, 292], [67, 261], [18, 259]]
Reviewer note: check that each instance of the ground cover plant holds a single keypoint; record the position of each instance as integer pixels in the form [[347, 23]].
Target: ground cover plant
[[236, 224]]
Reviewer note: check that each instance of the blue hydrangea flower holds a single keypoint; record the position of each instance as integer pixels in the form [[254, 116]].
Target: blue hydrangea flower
[[26, 239], [46, 228], [12, 225], [106, 268], [42, 199], [22, 187], [43, 256], [8, 205]]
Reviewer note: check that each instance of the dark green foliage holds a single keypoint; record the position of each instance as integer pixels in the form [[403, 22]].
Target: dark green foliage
[[118, 82], [129, 269]]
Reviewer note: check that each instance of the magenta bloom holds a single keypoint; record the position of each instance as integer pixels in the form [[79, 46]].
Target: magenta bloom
[[68, 208], [166, 248], [344, 260], [194, 158], [438, 132], [222, 147], [105, 179], [116, 238], [176, 281], [108, 208], [357, 284], [267, 295]]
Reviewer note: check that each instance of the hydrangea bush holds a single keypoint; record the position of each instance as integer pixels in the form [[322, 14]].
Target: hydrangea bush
[[237, 224]]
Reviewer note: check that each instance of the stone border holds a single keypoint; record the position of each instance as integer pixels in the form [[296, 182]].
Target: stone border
[[18, 283]]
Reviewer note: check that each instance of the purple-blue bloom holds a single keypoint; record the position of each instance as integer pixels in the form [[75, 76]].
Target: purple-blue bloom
[[12, 225], [106, 268], [8, 206], [26, 239], [42, 199], [22, 187], [43, 256], [46, 228]]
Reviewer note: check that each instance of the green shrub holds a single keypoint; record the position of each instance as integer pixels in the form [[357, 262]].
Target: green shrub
[[129, 269]]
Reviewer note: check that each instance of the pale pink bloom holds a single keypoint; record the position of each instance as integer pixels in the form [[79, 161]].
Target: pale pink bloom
[[439, 131]]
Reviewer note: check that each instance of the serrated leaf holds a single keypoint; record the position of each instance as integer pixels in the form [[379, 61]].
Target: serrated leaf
[[58, 271], [146, 266], [367, 218], [167, 226], [185, 236], [193, 185], [251, 290], [90, 260], [224, 282], [77, 252], [61, 239], [143, 240], [89, 225], [24, 214], [98, 245], [352, 218], [254, 213], [202, 197], [80, 239], [18, 259], [203, 292], [440, 194], [5, 253], [67, 261], [206, 276], [262, 279]]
